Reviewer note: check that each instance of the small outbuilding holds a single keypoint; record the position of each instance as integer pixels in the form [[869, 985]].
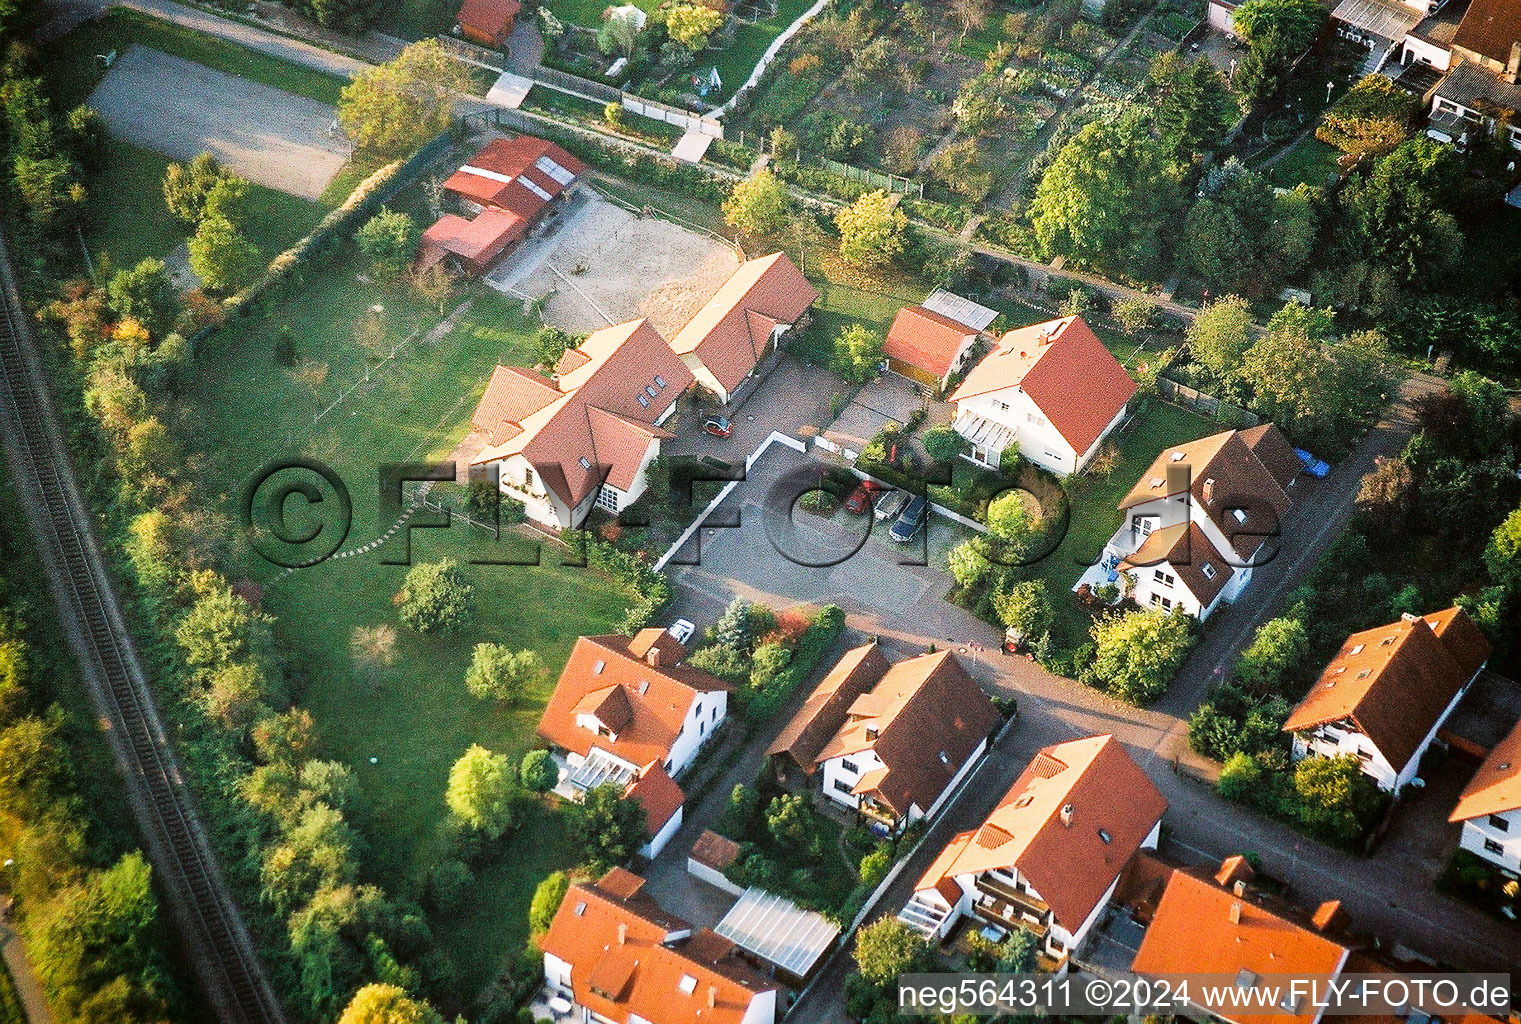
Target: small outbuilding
[[779, 933], [487, 22]]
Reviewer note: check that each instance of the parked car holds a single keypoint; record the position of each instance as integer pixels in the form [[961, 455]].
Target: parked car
[[860, 499], [682, 630], [1318, 468], [891, 504], [910, 521], [718, 426]]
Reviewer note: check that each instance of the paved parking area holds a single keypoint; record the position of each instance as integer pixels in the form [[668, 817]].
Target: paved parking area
[[180, 108], [887, 398]]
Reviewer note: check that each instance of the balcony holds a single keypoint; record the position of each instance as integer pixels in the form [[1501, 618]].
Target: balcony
[[1003, 904]]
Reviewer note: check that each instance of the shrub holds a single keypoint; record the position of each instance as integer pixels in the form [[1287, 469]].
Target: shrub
[[435, 597], [538, 772]]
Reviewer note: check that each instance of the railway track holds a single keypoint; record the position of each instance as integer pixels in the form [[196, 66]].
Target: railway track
[[212, 931]]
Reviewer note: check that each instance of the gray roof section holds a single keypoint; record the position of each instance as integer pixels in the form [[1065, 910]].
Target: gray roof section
[[963, 311], [1380, 18], [1468, 84], [778, 931]]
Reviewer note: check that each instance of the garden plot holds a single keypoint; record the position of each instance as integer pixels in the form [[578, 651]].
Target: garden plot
[[180, 108], [602, 264]]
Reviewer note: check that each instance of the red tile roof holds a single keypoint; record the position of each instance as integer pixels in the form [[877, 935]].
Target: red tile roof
[[1496, 787], [646, 705], [520, 175], [715, 851], [1202, 927], [659, 795], [1490, 28], [488, 17], [1393, 682], [1274, 452], [731, 332], [826, 709], [478, 240], [923, 719], [1070, 865], [1199, 565], [627, 956], [597, 417], [923, 338]]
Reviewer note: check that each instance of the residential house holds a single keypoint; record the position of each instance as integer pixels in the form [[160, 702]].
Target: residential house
[[616, 956], [727, 343], [585, 436], [1050, 855], [1051, 388], [1219, 923], [498, 196], [1490, 806], [890, 741], [487, 22], [1200, 520], [1464, 61], [1221, 16], [626, 712], [1387, 692], [1379, 26], [931, 343]]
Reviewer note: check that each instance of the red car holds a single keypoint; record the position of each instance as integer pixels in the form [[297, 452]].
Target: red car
[[860, 499], [718, 426]]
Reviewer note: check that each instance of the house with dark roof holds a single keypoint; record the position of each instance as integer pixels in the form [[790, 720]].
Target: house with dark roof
[[626, 712], [1464, 60], [498, 196], [1052, 389], [891, 742], [1387, 692], [733, 340], [487, 22], [1199, 521], [585, 436], [615, 955], [1490, 806], [1049, 857]]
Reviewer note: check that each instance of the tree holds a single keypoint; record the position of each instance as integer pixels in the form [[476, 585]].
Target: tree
[[370, 335], [1277, 32], [435, 597], [791, 822], [387, 1004], [1194, 106], [1322, 393], [1388, 490], [1398, 214], [1335, 797], [1221, 334], [758, 205], [691, 24], [186, 186], [221, 628], [85, 138], [609, 829], [433, 283], [857, 353], [237, 695], [222, 256], [618, 36], [1134, 313], [351, 16], [145, 294], [1502, 555], [871, 229], [482, 793], [1374, 116], [967, 563], [538, 773], [1025, 606], [496, 673], [1273, 655], [887, 948], [971, 13], [395, 107], [1009, 520], [943, 444], [875, 865], [547, 898], [389, 241], [1138, 652], [1107, 195], [51, 189], [372, 650]]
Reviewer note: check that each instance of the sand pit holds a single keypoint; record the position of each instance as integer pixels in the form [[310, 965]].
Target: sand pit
[[600, 264]]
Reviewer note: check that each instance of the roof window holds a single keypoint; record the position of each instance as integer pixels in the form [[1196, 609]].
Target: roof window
[[1363, 674], [1208, 571], [585, 462], [644, 687], [598, 667], [580, 908], [1176, 457], [651, 390], [1240, 514], [1356, 650], [644, 400], [944, 758], [660, 382], [1155, 482], [687, 985], [1105, 836]]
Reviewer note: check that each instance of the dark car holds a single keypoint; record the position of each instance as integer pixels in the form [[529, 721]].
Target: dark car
[[910, 521], [860, 499]]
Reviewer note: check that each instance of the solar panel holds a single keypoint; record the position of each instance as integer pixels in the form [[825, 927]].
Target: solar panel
[[554, 170]]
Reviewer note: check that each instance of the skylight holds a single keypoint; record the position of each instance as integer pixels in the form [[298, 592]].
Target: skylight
[[1176, 457], [1358, 649], [1105, 836], [1155, 481], [598, 667], [660, 382], [1208, 571], [644, 400], [687, 985], [651, 390], [1240, 514], [585, 462]]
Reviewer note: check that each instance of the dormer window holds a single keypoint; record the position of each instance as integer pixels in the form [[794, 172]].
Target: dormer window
[[644, 400], [1208, 571]]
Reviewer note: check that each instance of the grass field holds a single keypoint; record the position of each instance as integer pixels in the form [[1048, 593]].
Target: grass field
[[736, 63], [416, 19], [72, 72], [1311, 162], [419, 718], [588, 13]]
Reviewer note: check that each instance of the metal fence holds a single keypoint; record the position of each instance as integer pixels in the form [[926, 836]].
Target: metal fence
[[601, 92], [890, 182]]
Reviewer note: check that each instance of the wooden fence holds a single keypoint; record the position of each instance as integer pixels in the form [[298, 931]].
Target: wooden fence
[[1209, 405], [601, 92]]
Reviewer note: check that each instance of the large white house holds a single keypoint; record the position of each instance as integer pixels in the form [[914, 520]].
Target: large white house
[[1387, 692], [1490, 807], [626, 712], [1200, 520], [1049, 857], [616, 957], [1051, 388], [585, 436]]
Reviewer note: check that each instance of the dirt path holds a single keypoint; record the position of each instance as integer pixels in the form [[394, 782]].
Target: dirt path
[[28, 988]]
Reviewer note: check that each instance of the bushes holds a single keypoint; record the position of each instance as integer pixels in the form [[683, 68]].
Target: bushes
[[1328, 797], [765, 655], [652, 589]]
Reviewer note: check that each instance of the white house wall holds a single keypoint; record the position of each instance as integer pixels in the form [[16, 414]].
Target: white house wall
[[1039, 441], [702, 720], [1337, 742], [1098, 442], [1418, 50], [835, 771], [651, 849], [762, 1009], [1479, 831]]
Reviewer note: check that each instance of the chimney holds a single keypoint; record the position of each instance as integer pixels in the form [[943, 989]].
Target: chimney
[[1239, 888], [622, 933], [712, 996], [1067, 815], [1513, 66], [1209, 491], [1235, 913], [652, 656]]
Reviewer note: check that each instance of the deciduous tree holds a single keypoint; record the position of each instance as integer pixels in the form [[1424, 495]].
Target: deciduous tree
[[482, 792], [758, 205], [871, 229], [609, 829], [435, 597], [395, 107], [389, 241], [387, 1004], [496, 673], [145, 294], [1138, 653]]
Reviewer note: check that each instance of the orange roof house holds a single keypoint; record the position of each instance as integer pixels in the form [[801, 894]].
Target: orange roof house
[[487, 22], [504, 189], [586, 435], [1052, 388], [828, 707], [612, 950], [926, 346], [900, 746], [1051, 853], [729, 336], [1490, 805], [1201, 518], [1387, 691], [1216, 923]]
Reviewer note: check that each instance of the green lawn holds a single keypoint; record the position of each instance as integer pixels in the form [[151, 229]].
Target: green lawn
[[72, 73], [419, 719], [416, 19], [737, 63], [131, 221], [1311, 162], [588, 13]]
